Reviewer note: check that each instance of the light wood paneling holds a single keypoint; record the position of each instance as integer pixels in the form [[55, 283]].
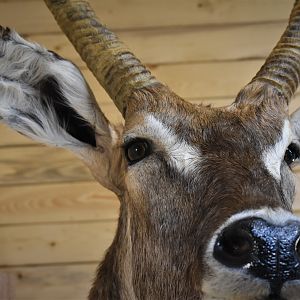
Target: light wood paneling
[[33, 17], [39, 164], [8, 137], [181, 44], [63, 202], [55, 243], [66, 282], [6, 286], [55, 221], [196, 80]]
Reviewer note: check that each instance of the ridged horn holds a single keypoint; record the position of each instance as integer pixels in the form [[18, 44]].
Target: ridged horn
[[115, 67], [281, 70]]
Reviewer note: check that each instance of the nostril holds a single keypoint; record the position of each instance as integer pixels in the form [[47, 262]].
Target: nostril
[[265, 250], [234, 246]]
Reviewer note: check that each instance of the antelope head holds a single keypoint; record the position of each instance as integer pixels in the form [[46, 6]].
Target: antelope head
[[206, 193]]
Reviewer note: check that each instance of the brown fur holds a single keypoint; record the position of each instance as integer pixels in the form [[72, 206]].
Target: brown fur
[[167, 216], [166, 219]]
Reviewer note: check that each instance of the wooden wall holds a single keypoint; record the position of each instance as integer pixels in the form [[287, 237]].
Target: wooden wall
[[55, 221]]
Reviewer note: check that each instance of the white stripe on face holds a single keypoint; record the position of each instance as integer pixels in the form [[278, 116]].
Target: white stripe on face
[[273, 156], [182, 156]]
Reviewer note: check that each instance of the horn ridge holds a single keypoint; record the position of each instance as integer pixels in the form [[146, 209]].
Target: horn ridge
[[282, 67], [115, 67]]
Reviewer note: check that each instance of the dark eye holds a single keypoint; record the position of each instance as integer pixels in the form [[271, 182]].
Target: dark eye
[[291, 154], [137, 150]]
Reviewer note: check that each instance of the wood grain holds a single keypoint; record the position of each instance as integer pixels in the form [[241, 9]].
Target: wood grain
[[181, 44], [205, 80], [6, 286], [55, 243], [67, 282], [33, 17], [196, 80], [62, 202], [39, 165], [55, 221], [9, 137]]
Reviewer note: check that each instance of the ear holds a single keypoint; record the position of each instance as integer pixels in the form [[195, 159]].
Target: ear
[[47, 99]]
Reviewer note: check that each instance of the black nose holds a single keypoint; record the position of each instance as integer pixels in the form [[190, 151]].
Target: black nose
[[268, 251]]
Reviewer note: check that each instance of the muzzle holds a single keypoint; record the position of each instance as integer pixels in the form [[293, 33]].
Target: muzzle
[[267, 251]]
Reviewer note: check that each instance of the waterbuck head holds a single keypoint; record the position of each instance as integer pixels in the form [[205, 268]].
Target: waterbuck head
[[206, 193]]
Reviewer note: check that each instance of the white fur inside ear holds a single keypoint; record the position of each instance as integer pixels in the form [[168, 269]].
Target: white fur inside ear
[[21, 110], [24, 68], [273, 156], [76, 91]]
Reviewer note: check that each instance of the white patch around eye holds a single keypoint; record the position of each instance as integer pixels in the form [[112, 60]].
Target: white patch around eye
[[183, 156], [273, 156]]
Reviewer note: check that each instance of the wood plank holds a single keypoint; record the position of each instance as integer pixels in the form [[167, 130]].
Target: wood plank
[[33, 17], [55, 243], [181, 44], [6, 286], [196, 80], [52, 282], [52, 244], [207, 80], [57, 203], [40, 165], [9, 137]]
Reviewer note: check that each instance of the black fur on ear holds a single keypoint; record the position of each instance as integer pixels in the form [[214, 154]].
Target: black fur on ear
[[53, 98], [57, 56]]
